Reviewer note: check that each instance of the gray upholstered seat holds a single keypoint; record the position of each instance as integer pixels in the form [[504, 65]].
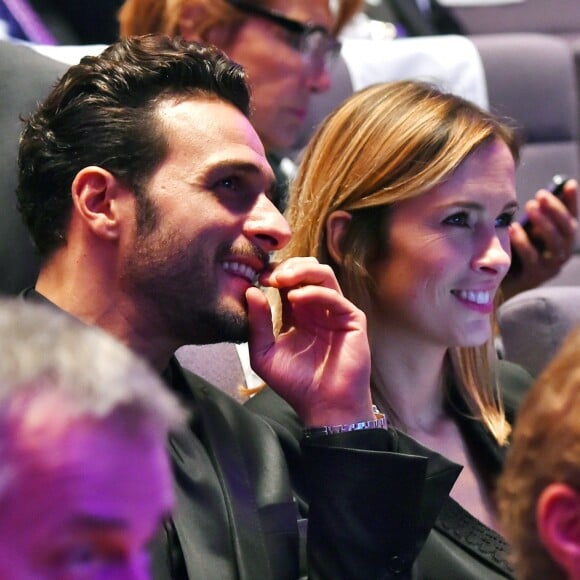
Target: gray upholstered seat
[[25, 78], [533, 324], [558, 17]]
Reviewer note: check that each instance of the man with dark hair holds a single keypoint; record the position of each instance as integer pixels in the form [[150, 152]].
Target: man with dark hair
[[146, 190]]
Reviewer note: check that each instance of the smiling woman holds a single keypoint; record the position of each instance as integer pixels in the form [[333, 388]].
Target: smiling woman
[[408, 194]]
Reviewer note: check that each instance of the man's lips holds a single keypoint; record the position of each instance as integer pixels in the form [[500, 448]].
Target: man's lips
[[243, 269]]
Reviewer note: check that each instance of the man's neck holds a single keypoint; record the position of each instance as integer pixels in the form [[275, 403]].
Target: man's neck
[[102, 304]]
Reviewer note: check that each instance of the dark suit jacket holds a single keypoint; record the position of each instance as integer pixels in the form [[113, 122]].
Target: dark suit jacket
[[437, 20], [456, 546], [236, 516]]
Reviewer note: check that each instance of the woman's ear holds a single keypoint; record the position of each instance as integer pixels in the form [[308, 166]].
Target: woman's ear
[[558, 524], [336, 227]]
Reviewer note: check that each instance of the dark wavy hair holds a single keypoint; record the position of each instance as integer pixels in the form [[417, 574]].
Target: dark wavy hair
[[103, 112]]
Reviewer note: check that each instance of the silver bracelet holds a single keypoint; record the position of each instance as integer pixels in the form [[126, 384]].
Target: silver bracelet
[[379, 422]]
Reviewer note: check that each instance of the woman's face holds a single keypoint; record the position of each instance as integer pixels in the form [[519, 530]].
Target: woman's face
[[448, 251]]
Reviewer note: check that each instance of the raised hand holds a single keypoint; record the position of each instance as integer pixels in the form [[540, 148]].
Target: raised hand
[[320, 359], [555, 223]]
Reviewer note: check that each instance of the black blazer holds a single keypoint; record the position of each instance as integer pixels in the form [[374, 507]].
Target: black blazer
[[236, 516], [456, 546], [363, 520]]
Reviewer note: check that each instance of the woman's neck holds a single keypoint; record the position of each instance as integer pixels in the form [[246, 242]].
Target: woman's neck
[[410, 375]]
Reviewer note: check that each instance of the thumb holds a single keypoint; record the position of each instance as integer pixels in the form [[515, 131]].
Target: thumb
[[261, 328]]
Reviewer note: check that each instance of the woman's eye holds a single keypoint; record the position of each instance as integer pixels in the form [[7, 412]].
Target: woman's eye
[[504, 220], [292, 39], [460, 219]]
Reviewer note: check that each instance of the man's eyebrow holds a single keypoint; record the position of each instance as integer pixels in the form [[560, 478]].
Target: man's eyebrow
[[249, 168], [234, 165]]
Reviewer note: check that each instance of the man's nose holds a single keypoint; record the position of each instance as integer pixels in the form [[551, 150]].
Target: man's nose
[[319, 80], [266, 226]]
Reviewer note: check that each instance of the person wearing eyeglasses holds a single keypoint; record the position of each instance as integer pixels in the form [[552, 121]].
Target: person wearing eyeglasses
[[284, 45]]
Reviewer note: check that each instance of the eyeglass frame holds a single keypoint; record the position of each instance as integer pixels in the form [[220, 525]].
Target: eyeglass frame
[[302, 29]]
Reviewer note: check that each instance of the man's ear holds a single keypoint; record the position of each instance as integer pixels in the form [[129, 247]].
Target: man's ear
[[97, 196], [336, 228], [558, 523], [189, 26]]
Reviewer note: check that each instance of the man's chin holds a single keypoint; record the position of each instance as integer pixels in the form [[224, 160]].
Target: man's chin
[[222, 326]]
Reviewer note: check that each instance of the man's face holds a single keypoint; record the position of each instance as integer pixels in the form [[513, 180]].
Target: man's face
[[215, 227], [282, 80], [85, 502]]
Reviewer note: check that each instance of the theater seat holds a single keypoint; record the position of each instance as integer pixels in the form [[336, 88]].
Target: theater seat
[[533, 324], [531, 80], [557, 17], [25, 78]]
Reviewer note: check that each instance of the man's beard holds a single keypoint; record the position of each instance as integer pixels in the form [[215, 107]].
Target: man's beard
[[176, 289]]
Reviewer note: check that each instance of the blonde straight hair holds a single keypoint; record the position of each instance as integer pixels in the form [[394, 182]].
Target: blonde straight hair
[[387, 143]]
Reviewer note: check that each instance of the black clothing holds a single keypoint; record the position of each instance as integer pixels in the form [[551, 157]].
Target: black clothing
[[458, 546], [236, 516]]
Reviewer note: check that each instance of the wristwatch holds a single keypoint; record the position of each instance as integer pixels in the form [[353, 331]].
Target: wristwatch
[[379, 422]]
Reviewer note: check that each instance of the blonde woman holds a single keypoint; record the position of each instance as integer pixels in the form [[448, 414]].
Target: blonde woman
[[408, 194]]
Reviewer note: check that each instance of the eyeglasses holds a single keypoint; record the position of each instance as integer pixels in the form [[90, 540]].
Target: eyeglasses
[[313, 41]]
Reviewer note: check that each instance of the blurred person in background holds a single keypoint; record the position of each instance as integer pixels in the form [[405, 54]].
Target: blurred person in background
[[85, 482], [286, 47], [539, 491]]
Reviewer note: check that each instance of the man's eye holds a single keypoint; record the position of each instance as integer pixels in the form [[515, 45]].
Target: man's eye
[[460, 219], [231, 182], [504, 220]]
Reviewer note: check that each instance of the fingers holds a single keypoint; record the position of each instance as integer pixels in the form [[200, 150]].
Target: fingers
[[536, 266], [296, 272], [522, 244], [324, 308], [570, 197], [261, 331], [553, 225]]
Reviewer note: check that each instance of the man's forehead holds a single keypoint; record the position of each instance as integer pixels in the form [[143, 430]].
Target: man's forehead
[[212, 136], [210, 119]]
